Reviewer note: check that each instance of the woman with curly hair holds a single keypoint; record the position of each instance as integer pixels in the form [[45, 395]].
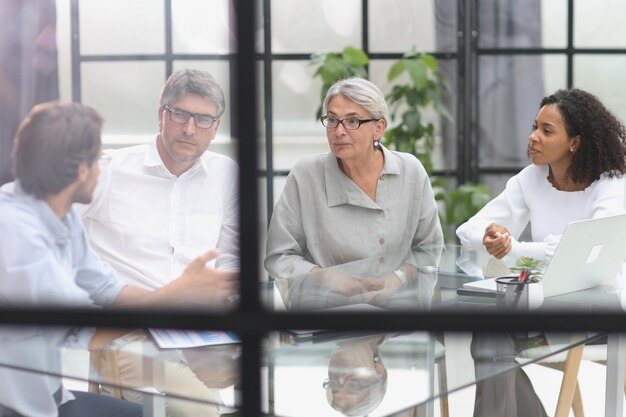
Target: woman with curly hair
[[578, 150]]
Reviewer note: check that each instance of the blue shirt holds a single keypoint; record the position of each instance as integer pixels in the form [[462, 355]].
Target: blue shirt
[[44, 261]]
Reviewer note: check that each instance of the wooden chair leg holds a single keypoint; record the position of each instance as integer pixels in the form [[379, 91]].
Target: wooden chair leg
[[577, 403], [443, 379], [604, 363], [443, 387], [570, 381]]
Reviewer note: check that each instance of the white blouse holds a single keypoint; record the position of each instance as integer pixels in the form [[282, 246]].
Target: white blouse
[[530, 197]]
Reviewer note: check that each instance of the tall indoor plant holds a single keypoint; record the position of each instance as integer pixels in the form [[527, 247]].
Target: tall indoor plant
[[409, 131]]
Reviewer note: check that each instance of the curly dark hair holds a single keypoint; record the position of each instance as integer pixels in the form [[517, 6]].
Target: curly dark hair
[[602, 147]]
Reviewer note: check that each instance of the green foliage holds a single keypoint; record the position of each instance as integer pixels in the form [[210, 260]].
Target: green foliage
[[333, 66], [407, 102], [534, 266], [410, 132], [463, 202]]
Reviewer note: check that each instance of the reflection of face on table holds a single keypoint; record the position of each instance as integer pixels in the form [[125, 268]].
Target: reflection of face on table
[[357, 378]]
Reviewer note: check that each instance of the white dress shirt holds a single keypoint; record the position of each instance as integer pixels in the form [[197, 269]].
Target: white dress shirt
[[148, 224]]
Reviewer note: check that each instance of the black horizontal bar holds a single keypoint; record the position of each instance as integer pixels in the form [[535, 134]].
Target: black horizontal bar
[[263, 322]]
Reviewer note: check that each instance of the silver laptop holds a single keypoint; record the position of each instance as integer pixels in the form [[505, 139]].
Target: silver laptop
[[590, 253]]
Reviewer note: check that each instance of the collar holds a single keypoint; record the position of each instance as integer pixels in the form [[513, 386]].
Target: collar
[[58, 230], [341, 190], [153, 159]]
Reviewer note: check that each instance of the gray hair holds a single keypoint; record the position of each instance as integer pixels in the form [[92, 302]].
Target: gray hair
[[362, 92], [196, 82]]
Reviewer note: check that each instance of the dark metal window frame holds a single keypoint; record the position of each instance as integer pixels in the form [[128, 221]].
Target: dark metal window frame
[[251, 320]]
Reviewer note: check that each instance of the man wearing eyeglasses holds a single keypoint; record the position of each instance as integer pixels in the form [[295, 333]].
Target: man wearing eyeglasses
[[159, 205]]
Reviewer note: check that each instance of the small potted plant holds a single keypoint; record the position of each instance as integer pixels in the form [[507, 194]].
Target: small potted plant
[[522, 290]]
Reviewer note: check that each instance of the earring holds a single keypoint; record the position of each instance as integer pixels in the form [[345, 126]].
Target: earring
[[376, 143], [571, 150]]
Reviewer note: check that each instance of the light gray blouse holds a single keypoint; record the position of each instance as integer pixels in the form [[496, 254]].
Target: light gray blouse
[[323, 218]]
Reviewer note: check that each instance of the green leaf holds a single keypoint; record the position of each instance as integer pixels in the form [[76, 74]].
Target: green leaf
[[333, 69], [395, 70], [413, 120], [457, 213], [430, 61], [438, 182], [355, 57], [417, 71]]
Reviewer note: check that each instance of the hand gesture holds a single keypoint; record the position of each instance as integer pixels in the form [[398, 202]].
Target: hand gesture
[[204, 286], [497, 240]]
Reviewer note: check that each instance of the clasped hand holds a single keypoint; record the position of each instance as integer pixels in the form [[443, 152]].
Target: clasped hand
[[340, 283], [497, 240]]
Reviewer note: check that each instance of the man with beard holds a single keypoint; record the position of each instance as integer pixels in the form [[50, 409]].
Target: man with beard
[[160, 205], [46, 260]]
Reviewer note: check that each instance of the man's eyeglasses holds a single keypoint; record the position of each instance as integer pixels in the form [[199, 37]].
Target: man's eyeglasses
[[351, 386], [203, 121], [349, 123]]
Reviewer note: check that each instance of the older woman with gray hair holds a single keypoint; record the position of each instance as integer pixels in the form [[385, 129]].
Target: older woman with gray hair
[[357, 201]]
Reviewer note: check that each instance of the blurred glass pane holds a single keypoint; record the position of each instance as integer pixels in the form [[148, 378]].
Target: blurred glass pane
[[127, 94], [446, 25], [554, 73], [220, 70], [510, 90], [599, 27], [296, 96], [122, 27], [400, 25], [553, 24], [307, 26], [517, 24], [603, 75], [201, 27]]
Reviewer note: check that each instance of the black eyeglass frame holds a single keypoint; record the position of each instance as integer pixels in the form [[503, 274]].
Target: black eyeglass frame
[[323, 119], [335, 385], [170, 110]]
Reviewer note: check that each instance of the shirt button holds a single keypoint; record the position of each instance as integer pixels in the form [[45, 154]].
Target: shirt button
[[381, 259], [381, 241], [382, 177]]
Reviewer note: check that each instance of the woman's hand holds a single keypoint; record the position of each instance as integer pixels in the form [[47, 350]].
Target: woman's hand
[[337, 282], [497, 240]]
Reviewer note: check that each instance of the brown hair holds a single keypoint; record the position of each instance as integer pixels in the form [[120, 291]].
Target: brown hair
[[51, 142]]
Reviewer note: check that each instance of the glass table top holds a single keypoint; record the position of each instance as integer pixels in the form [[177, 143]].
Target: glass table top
[[319, 372]]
